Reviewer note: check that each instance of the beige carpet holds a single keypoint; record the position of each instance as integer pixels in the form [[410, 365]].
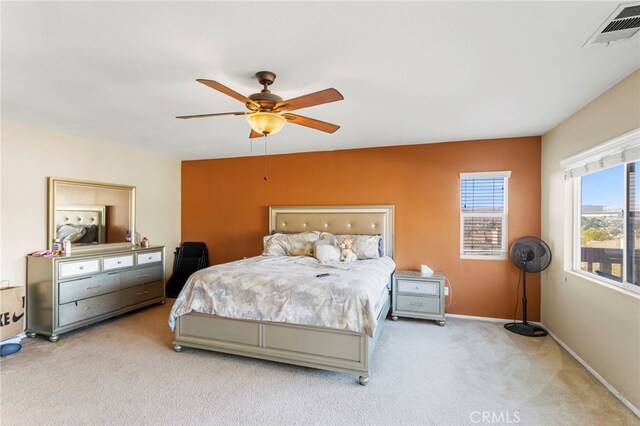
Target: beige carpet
[[124, 371]]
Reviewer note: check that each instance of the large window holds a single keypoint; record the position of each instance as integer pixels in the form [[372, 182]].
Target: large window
[[607, 212], [483, 215]]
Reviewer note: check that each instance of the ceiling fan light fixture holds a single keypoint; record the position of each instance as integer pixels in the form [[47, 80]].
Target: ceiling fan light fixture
[[266, 123]]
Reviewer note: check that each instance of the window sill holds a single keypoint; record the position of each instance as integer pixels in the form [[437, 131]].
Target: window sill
[[483, 257], [606, 283]]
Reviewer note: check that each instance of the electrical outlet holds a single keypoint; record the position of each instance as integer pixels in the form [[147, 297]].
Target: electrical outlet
[[446, 291]]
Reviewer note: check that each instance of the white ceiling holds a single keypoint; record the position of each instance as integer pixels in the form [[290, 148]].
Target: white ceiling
[[410, 72]]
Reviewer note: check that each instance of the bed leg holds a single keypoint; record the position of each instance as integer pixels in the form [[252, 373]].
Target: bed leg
[[363, 380], [177, 348]]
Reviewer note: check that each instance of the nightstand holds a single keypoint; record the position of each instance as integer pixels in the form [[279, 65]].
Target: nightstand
[[417, 296]]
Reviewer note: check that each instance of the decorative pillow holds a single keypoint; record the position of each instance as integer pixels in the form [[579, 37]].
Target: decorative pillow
[[70, 232], [290, 244], [327, 253], [364, 246], [90, 236]]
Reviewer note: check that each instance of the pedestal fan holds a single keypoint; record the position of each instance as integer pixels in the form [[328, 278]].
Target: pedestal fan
[[530, 254]]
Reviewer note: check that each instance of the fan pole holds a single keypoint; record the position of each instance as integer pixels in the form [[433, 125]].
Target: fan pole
[[524, 328], [524, 296]]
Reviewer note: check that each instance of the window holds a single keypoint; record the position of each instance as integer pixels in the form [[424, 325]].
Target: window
[[607, 211], [483, 215]]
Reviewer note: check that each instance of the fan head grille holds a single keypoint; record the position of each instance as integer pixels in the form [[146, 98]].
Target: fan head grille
[[530, 254]]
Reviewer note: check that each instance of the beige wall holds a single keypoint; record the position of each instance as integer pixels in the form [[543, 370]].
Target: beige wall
[[30, 155], [600, 323]]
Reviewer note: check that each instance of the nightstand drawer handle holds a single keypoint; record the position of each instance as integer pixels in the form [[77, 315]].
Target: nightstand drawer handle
[[142, 294], [417, 287], [417, 304]]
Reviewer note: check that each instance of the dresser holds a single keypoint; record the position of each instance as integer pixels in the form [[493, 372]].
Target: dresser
[[416, 296], [65, 293]]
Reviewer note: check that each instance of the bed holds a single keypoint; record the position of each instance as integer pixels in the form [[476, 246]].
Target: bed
[[89, 216], [319, 343]]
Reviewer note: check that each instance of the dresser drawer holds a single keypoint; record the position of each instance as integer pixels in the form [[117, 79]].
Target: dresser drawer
[[149, 257], [140, 276], [87, 308], [111, 263], [85, 287], [425, 305], [142, 293], [418, 287], [82, 267]]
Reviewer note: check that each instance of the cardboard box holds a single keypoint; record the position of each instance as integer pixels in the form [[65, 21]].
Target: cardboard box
[[11, 311]]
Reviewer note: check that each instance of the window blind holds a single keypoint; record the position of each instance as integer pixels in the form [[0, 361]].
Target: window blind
[[483, 208]]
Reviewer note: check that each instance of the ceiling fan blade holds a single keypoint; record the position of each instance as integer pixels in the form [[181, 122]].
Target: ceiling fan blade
[[255, 134], [210, 115], [229, 92], [312, 99], [310, 122]]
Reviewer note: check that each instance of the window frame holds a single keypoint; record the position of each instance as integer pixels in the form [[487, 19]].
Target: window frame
[[576, 261], [620, 150], [504, 216]]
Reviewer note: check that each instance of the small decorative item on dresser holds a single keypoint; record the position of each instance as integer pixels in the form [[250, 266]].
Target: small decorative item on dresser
[[417, 296], [144, 242]]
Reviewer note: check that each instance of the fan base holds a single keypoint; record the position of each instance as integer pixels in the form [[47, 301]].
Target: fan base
[[526, 329]]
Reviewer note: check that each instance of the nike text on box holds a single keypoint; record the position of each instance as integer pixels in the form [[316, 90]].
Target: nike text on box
[[11, 311]]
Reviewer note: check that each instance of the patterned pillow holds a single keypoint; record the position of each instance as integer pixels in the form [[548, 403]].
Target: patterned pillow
[[290, 244], [70, 232], [364, 246]]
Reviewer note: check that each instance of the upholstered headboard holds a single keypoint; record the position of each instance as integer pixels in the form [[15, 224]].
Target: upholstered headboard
[[87, 214], [371, 220]]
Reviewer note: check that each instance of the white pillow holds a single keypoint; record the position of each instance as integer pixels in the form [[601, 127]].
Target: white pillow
[[327, 253], [71, 232]]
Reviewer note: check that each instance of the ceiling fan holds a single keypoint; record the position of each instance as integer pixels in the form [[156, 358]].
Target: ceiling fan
[[268, 112]]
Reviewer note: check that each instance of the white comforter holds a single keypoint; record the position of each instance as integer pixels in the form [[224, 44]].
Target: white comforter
[[286, 289]]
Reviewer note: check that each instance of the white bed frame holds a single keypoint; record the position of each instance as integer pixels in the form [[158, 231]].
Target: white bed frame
[[310, 346]]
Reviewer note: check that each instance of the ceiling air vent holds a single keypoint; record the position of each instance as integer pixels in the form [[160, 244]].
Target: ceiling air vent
[[623, 24]]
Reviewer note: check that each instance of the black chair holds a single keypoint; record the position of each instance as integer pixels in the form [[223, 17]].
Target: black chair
[[189, 258]]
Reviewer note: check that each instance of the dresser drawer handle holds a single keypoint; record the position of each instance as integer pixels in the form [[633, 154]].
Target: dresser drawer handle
[[81, 268], [142, 294], [417, 304], [89, 308], [417, 287], [91, 287], [150, 257], [142, 276], [119, 262]]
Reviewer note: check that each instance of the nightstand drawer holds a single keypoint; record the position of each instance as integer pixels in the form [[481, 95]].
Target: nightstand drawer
[[418, 287], [427, 305]]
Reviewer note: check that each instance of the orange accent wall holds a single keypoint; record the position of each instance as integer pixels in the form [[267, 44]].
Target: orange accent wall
[[225, 203]]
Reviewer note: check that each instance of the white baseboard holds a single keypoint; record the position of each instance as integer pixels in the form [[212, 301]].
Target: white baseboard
[[490, 319], [595, 374]]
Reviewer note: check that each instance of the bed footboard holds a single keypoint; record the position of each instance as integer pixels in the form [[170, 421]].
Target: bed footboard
[[309, 346]]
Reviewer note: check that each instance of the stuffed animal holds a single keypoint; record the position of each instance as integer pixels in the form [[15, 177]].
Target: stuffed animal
[[347, 253]]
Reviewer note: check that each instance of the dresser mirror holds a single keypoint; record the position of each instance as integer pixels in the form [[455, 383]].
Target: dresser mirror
[[91, 215]]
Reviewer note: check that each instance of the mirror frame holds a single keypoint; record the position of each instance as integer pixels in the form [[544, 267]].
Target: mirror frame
[[51, 228]]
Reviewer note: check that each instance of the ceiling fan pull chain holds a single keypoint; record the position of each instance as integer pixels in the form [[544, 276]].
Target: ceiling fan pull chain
[[265, 158]]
